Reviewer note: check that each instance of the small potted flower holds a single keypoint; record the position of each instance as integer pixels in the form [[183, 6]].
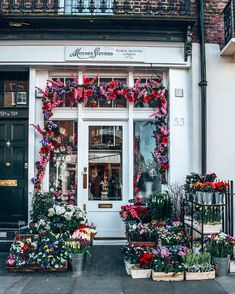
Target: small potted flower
[[198, 266], [142, 270], [220, 190], [131, 256]]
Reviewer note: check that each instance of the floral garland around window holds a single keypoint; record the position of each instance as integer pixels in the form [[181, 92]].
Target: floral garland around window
[[56, 93]]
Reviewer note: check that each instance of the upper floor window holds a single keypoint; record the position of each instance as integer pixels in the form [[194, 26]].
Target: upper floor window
[[14, 89], [96, 7]]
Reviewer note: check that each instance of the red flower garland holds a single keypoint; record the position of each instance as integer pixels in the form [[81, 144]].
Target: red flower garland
[[56, 93]]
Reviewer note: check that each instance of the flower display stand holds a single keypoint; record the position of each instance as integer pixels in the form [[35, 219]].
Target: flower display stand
[[137, 273], [161, 276], [36, 268], [190, 276]]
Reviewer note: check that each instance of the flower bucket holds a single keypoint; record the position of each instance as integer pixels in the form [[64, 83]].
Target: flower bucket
[[189, 276], [139, 273], [161, 276], [219, 198], [207, 198], [77, 263], [198, 197], [222, 266], [128, 267]]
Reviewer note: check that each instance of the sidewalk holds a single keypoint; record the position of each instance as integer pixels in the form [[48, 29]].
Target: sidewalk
[[104, 275]]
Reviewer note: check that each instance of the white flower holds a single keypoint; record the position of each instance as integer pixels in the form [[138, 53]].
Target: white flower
[[68, 215], [59, 210], [51, 212]]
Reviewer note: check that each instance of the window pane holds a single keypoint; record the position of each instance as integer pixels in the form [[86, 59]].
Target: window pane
[[63, 174], [10, 99], [105, 163], [146, 171], [21, 98]]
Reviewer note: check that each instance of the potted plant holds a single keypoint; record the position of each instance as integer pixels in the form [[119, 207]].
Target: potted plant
[[220, 247], [167, 264], [220, 190], [131, 256], [160, 207], [142, 270], [212, 219], [142, 235], [198, 266]]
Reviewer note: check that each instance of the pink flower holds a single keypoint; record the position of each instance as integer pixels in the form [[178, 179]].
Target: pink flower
[[164, 252]]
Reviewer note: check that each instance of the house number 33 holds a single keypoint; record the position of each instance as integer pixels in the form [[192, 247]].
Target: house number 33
[[179, 121]]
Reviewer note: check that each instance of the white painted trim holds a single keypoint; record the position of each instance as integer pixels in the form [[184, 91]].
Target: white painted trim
[[31, 137]]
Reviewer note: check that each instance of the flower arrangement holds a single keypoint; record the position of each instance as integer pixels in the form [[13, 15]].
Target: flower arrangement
[[220, 245], [134, 213], [67, 198], [42, 201], [65, 218], [132, 254]]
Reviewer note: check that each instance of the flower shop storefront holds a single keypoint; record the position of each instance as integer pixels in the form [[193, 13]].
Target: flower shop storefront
[[108, 128]]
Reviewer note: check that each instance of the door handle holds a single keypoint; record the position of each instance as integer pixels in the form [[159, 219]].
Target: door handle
[[84, 178], [7, 164], [84, 207]]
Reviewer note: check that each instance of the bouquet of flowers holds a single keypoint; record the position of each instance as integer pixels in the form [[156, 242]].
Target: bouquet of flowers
[[79, 241], [220, 245], [65, 218]]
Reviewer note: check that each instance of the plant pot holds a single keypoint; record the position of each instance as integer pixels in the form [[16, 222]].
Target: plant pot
[[232, 266], [207, 198], [219, 198], [222, 266], [210, 229], [161, 276], [142, 243], [128, 267], [189, 276], [198, 197], [77, 263], [139, 273]]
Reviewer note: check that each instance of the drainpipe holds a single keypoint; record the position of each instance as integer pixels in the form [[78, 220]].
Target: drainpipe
[[203, 85]]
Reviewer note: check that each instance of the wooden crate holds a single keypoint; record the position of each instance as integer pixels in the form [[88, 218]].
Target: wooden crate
[[36, 268], [161, 276], [199, 276], [142, 243]]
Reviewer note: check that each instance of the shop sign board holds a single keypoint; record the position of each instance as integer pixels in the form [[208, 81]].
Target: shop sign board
[[105, 53]]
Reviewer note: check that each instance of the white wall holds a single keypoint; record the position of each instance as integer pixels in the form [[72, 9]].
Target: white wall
[[221, 113]]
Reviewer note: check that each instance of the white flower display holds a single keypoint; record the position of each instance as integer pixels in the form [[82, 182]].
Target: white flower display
[[51, 212]]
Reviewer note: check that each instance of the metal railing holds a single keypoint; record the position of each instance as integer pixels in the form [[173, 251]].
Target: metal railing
[[229, 13], [95, 7]]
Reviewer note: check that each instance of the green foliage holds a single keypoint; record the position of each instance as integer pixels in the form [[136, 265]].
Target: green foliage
[[212, 215], [41, 203], [198, 262], [160, 206]]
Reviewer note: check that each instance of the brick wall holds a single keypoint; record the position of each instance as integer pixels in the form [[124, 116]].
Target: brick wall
[[214, 24]]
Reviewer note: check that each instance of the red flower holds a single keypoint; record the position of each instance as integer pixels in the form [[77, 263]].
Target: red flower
[[89, 93], [147, 98], [164, 140], [26, 247]]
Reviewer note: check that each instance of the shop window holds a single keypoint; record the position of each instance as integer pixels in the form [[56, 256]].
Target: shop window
[[13, 89], [146, 172], [63, 170], [105, 163], [96, 101]]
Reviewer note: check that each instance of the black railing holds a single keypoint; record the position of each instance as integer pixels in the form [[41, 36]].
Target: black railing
[[96, 7], [229, 13], [228, 216]]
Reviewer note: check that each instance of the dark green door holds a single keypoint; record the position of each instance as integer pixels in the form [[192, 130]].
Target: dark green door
[[13, 171]]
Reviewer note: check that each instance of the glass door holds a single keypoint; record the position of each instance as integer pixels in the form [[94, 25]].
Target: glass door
[[105, 175]]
